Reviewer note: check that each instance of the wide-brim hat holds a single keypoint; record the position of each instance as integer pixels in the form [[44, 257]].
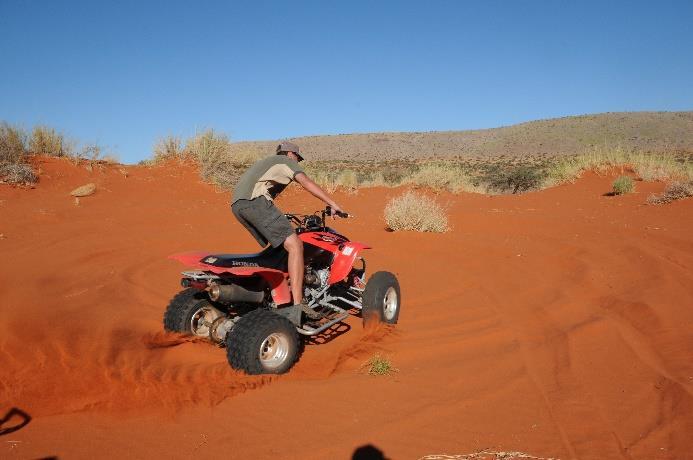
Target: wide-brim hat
[[289, 147]]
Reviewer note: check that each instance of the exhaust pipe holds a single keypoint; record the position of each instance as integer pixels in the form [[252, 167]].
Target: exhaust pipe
[[230, 293]]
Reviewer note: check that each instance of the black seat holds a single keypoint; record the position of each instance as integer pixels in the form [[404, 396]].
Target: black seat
[[276, 258]]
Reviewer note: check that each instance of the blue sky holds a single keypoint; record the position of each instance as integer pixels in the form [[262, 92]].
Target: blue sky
[[125, 73]]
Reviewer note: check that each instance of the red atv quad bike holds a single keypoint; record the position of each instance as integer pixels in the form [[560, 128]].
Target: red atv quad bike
[[244, 300]]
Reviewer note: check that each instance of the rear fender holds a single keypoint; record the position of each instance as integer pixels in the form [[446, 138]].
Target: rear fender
[[189, 259], [276, 279], [344, 260]]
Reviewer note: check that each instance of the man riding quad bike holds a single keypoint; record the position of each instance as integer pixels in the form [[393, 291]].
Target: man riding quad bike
[[304, 283]]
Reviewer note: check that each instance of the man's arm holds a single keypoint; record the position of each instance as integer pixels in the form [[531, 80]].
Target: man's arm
[[315, 190]]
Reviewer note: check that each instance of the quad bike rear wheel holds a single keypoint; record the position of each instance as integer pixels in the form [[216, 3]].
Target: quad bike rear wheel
[[381, 298], [191, 312], [263, 342]]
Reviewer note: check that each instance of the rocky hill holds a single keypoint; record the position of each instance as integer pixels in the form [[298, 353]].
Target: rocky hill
[[646, 131]]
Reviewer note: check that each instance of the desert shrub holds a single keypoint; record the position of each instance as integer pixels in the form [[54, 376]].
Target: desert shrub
[[373, 179], [514, 179], [17, 173], [348, 180], [13, 155], [330, 179], [562, 171], [673, 191], [91, 152], [110, 158], [169, 147], [326, 180], [648, 166], [378, 365], [658, 167], [211, 151], [246, 157], [443, 177], [207, 146], [623, 185], [219, 163], [413, 211], [213, 148], [47, 141], [12, 144], [393, 177]]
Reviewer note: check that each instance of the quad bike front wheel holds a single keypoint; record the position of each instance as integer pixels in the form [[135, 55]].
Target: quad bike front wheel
[[190, 312], [381, 298], [263, 342]]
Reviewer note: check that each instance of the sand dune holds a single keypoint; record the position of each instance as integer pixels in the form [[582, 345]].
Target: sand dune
[[555, 323]]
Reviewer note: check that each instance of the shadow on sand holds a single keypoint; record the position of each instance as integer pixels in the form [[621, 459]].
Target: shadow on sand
[[14, 420], [368, 452]]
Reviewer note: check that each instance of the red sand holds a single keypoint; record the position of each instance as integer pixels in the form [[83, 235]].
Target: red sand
[[555, 323]]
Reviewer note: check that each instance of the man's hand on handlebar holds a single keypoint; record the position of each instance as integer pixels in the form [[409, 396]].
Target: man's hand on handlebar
[[335, 211]]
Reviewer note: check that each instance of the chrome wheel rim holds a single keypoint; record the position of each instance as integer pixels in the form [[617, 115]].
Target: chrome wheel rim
[[274, 350], [390, 304], [202, 320]]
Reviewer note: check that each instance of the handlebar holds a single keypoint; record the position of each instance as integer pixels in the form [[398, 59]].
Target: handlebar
[[301, 220]]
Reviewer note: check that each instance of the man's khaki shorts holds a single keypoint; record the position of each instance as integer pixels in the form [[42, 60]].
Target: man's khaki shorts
[[263, 220]]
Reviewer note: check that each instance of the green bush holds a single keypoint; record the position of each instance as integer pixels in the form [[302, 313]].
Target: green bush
[[378, 365], [623, 185], [514, 180]]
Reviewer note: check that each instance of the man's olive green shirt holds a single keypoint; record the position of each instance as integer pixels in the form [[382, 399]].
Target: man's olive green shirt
[[267, 177]]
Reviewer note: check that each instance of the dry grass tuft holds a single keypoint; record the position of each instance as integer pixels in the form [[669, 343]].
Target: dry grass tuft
[[413, 211], [378, 365], [12, 144], [47, 141], [13, 157], [443, 176], [623, 185], [674, 191], [167, 148], [348, 180], [648, 166], [331, 180], [219, 161]]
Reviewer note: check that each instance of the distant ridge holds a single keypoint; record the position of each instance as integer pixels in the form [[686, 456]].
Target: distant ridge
[[646, 131]]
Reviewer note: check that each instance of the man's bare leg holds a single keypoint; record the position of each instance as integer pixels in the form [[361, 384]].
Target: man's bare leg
[[294, 246]]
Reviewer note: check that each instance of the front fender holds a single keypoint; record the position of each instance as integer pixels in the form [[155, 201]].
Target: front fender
[[344, 260]]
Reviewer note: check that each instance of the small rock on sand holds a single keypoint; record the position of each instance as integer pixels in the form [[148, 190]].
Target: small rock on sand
[[84, 190]]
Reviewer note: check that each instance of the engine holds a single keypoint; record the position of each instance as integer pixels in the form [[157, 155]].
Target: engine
[[316, 279]]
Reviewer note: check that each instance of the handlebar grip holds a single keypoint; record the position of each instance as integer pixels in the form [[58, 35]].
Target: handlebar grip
[[330, 212]]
